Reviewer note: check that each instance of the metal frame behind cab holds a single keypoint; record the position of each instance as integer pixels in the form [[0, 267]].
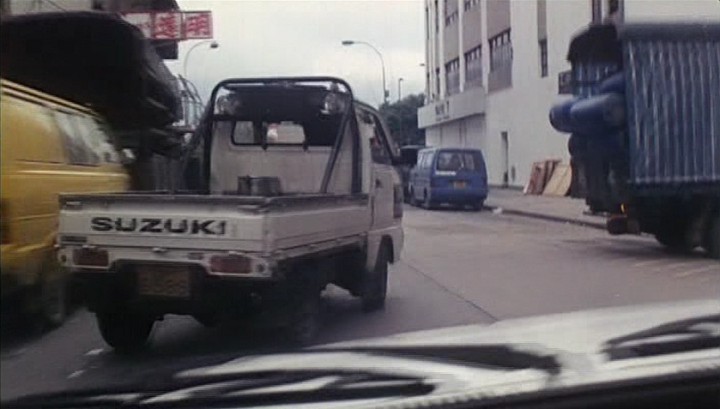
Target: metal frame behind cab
[[204, 131]]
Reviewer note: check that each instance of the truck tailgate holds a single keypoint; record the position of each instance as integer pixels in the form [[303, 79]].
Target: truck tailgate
[[160, 221], [222, 223]]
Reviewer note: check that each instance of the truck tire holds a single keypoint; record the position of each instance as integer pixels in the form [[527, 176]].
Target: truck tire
[[48, 303], [712, 237], [125, 331], [302, 301], [53, 301], [376, 282], [304, 319]]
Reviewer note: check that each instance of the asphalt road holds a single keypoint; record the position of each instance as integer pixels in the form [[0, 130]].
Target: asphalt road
[[457, 268]]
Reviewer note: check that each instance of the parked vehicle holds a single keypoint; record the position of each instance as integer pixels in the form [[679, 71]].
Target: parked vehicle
[[645, 124], [49, 146], [449, 175], [298, 190], [409, 155]]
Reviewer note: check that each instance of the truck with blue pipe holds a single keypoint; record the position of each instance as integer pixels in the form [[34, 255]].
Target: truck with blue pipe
[[644, 125]]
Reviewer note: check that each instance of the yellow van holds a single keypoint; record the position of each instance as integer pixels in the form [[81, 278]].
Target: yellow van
[[48, 146]]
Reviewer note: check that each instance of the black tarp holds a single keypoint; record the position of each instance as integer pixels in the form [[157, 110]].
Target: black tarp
[[97, 60]]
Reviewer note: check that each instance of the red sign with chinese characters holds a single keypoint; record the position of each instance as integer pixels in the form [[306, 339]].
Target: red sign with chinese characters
[[198, 24], [167, 26], [189, 25]]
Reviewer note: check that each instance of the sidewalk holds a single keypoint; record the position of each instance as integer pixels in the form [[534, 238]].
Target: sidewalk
[[558, 209]]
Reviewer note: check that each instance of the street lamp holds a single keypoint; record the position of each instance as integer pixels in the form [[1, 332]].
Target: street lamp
[[213, 44], [400, 80], [382, 63]]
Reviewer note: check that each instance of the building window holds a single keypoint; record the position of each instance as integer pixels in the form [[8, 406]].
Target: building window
[[430, 95], [427, 23], [596, 6], [437, 82], [615, 11], [470, 4], [613, 6], [437, 18], [452, 76], [543, 58], [500, 51], [473, 68], [451, 18]]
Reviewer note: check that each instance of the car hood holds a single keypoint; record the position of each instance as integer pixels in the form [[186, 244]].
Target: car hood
[[582, 331], [508, 360], [576, 339]]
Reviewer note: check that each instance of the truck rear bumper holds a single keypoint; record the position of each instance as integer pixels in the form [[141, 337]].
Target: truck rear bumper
[[104, 291]]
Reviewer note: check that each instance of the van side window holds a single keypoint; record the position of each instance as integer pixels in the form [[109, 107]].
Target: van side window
[[100, 134], [78, 153], [85, 140]]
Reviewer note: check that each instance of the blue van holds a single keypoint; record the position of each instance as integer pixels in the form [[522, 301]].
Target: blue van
[[449, 175]]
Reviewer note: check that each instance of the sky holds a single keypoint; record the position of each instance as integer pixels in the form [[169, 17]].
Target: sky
[[303, 37]]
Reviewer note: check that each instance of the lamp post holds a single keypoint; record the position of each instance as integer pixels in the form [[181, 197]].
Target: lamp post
[[400, 80], [382, 63], [213, 44]]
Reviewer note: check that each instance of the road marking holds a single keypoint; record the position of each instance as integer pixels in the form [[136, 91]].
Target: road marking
[[76, 374], [699, 270], [94, 352], [648, 263]]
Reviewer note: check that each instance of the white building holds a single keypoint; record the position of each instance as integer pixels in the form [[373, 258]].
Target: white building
[[493, 67]]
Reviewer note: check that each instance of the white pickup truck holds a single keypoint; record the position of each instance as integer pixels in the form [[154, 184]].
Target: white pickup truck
[[292, 187]]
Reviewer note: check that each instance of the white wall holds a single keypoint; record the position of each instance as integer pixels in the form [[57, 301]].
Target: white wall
[[522, 111]]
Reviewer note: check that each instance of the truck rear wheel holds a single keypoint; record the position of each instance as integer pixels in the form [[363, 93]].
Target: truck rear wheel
[[375, 284], [125, 331]]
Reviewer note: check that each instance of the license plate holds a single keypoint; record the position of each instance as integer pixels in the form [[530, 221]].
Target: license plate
[[164, 281], [459, 185]]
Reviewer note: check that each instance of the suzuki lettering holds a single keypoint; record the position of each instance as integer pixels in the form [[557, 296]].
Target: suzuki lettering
[[152, 225]]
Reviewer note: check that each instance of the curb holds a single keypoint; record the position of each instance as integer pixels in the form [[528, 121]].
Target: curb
[[550, 218]]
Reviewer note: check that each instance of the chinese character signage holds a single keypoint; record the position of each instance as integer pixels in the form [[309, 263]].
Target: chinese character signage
[[167, 26], [198, 24], [188, 25]]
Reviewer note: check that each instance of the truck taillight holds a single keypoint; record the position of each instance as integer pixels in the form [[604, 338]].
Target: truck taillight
[[91, 257], [232, 264]]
